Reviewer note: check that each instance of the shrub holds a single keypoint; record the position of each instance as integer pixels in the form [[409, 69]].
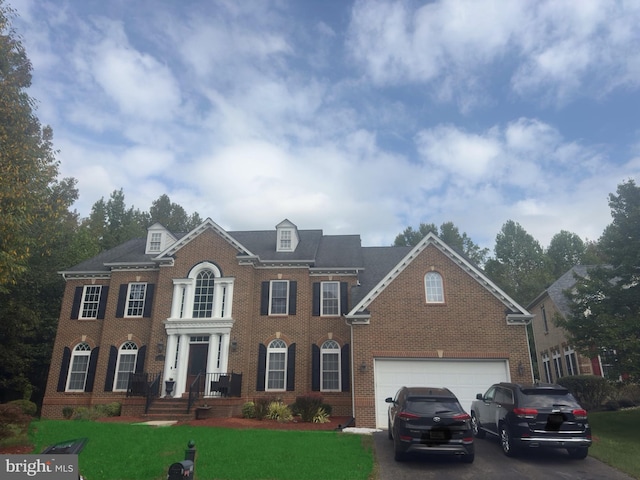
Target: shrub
[[27, 407], [629, 393], [321, 416], [261, 406], [13, 421], [67, 412], [84, 413], [107, 410], [591, 391], [249, 410], [306, 406], [279, 411]]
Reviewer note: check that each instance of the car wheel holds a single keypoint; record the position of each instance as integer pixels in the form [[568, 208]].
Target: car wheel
[[399, 453], [469, 458], [477, 431], [506, 442], [579, 453]]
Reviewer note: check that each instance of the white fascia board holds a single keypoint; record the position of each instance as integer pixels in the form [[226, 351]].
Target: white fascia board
[[207, 224]]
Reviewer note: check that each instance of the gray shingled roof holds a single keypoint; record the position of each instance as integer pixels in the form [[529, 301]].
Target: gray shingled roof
[[131, 251], [564, 283], [377, 262]]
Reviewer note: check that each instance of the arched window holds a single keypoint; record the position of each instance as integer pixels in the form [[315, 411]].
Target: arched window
[[127, 358], [330, 366], [433, 287], [203, 298], [79, 367], [276, 365]]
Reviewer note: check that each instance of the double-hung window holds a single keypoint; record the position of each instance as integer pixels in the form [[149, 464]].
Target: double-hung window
[[433, 287], [571, 361], [279, 297], [546, 363], [276, 365], [79, 367], [330, 366], [203, 298], [330, 299], [557, 364], [127, 358], [90, 301], [135, 299]]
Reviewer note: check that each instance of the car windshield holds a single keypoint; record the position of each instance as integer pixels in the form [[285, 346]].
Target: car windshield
[[433, 406], [538, 398]]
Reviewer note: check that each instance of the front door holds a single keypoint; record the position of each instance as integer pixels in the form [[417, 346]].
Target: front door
[[198, 353]]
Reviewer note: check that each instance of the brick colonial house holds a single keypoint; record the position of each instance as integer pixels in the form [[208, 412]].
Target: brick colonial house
[[282, 312], [556, 356]]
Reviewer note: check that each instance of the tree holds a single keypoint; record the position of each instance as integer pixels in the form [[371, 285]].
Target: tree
[[449, 234], [172, 216], [565, 251], [520, 266], [28, 167], [605, 306]]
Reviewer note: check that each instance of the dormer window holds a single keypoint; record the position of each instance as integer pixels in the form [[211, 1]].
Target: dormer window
[[287, 238], [158, 239]]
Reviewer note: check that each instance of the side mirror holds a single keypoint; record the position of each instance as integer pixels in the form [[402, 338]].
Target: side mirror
[[479, 396], [388, 400]]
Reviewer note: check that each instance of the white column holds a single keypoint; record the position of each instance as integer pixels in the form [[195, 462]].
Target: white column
[[180, 373]]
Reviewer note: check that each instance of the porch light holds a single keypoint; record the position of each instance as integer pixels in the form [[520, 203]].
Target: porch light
[[234, 345], [363, 366], [160, 346]]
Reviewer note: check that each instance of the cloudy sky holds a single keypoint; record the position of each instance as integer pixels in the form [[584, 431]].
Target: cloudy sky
[[350, 116]]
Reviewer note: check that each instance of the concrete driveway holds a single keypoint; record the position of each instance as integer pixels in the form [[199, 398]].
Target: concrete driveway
[[490, 462]]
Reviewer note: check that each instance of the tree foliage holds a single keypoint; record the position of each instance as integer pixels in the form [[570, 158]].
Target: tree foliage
[[448, 233], [172, 216], [566, 250], [520, 266], [605, 306]]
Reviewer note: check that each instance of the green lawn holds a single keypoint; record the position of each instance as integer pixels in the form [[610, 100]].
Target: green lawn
[[118, 451], [616, 440]]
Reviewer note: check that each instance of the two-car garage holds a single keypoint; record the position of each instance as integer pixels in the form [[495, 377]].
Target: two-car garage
[[464, 378]]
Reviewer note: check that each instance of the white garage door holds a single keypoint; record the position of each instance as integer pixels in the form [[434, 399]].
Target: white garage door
[[464, 378]]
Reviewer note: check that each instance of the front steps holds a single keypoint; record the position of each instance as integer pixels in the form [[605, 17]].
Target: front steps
[[176, 408]]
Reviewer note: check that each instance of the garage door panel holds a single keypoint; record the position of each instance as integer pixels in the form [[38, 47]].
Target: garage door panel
[[464, 378]]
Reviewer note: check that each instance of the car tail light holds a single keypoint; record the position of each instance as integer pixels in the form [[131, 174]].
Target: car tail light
[[580, 414], [462, 416], [408, 416], [526, 412]]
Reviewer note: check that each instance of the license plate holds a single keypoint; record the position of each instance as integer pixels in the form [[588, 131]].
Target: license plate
[[437, 435]]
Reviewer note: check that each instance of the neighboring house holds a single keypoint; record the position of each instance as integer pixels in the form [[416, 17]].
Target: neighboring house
[[283, 313], [556, 356]]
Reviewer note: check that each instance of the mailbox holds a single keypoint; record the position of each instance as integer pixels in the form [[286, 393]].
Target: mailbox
[[181, 470]]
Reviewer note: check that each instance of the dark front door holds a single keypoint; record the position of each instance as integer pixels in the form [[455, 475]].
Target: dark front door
[[197, 364]]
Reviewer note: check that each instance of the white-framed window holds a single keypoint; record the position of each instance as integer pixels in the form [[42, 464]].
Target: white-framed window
[[276, 365], [545, 323], [557, 364], [155, 242], [203, 298], [546, 364], [330, 366], [135, 299], [285, 240], [278, 297], [433, 287], [330, 299], [127, 358], [79, 367], [571, 360], [90, 301]]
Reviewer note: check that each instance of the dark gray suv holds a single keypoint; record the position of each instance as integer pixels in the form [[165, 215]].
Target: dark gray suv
[[429, 420], [538, 415]]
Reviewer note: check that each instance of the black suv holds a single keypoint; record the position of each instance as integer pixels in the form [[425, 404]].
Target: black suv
[[539, 415], [429, 420]]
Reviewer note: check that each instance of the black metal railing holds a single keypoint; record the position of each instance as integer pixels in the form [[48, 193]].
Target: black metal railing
[[144, 385], [208, 385]]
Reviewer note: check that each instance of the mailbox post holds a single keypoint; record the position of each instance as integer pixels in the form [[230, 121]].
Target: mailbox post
[[184, 470]]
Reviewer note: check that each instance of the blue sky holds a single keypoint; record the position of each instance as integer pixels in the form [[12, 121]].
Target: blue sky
[[350, 116]]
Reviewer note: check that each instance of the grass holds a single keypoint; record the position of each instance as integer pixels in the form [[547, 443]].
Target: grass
[[616, 439], [118, 451]]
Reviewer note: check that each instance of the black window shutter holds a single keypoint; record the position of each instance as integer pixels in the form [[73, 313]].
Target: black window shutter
[[316, 299], [293, 297], [142, 353], [77, 300], [291, 368], [264, 299], [315, 368], [103, 301], [262, 367], [122, 300], [111, 369], [91, 372], [344, 298], [345, 367], [64, 368], [148, 301]]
